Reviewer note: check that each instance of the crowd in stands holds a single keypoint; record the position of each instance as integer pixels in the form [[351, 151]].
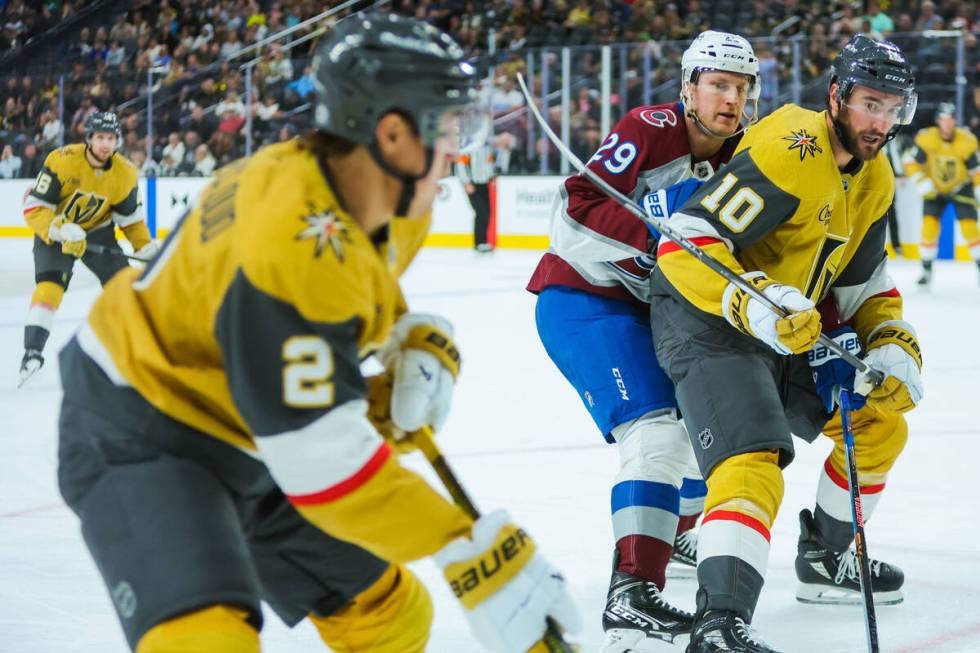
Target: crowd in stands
[[191, 52]]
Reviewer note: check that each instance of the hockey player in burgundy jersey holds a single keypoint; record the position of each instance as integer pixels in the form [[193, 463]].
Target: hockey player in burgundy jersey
[[593, 319]]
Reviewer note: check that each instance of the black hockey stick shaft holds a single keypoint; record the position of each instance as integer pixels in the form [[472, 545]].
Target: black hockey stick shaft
[[681, 241], [857, 523], [102, 249], [425, 440]]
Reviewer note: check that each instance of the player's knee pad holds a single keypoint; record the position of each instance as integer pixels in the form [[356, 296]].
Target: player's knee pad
[[218, 629], [749, 483], [653, 448], [393, 615], [879, 438], [49, 293], [930, 235]]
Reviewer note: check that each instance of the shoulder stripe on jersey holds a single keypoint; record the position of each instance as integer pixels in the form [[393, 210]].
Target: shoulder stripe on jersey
[[668, 246], [328, 458]]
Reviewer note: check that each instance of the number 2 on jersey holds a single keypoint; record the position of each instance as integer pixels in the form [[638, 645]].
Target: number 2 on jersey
[[621, 157], [306, 375]]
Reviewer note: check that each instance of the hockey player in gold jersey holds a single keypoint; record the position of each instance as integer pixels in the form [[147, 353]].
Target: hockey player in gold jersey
[[216, 439], [946, 168], [799, 212], [81, 193]]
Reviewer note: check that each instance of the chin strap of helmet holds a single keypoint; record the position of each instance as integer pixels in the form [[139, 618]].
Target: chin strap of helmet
[[408, 181]]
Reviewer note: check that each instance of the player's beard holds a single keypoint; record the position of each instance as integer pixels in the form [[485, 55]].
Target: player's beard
[[851, 140], [98, 159]]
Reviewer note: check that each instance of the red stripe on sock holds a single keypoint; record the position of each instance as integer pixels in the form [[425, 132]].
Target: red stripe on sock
[[841, 481], [700, 241], [739, 517], [348, 485]]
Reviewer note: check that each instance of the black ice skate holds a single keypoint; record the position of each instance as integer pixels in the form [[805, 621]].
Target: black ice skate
[[719, 631], [833, 578], [684, 558], [926, 279], [29, 364], [638, 618]]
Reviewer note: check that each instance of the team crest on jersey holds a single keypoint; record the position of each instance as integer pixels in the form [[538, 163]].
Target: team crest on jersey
[[803, 141], [658, 117], [83, 207], [325, 228]]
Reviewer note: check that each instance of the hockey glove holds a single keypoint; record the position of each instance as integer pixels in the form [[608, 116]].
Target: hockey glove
[[830, 372], [147, 251], [792, 334], [894, 350], [379, 412], [924, 184], [70, 235], [425, 362], [507, 588], [661, 204]]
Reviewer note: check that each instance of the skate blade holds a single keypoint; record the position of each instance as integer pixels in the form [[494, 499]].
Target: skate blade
[[27, 373], [624, 640], [823, 595]]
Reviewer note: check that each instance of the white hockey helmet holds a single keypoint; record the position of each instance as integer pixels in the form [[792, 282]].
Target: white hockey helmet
[[721, 51]]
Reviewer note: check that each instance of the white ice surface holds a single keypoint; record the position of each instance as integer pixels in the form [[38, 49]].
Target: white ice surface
[[520, 439]]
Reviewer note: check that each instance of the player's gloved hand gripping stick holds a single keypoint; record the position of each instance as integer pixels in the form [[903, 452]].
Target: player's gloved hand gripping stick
[[541, 591]]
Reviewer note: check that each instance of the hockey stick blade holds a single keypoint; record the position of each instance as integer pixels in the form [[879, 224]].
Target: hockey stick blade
[[553, 640], [678, 239], [102, 249], [857, 524]]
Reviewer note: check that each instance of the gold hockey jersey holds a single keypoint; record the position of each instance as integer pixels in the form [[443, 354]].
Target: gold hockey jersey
[[949, 164], [68, 185], [250, 326], [781, 205]]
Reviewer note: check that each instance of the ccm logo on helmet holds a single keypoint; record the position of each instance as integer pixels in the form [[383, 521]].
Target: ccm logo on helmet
[[658, 117]]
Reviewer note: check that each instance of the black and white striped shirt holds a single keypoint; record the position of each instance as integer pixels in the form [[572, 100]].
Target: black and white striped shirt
[[476, 167]]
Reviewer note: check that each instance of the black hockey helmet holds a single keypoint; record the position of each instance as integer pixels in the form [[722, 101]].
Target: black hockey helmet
[[945, 110], [373, 63], [879, 65], [103, 121]]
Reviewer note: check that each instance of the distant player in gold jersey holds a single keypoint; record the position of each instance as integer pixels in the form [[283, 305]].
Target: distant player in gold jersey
[[946, 168], [82, 193], [799, 212], [216, 431]]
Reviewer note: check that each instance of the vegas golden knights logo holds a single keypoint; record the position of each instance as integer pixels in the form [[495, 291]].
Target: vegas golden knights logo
[[84, 207]]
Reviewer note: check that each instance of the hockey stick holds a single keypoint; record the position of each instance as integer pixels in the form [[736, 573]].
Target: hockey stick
[[102, 249], [553, 640], [677, 238], [857, 523]]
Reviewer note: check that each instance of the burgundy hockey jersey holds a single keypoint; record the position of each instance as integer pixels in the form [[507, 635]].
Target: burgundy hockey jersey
[[597, 245]]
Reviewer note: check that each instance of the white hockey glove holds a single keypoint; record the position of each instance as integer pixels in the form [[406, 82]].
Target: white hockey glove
[[506, 587], [793, 334], [147, 251], [425, 362], [70, 235], [923, 184], [894, 350]]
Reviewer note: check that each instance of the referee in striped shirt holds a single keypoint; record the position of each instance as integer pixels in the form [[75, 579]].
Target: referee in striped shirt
[[475, 170]]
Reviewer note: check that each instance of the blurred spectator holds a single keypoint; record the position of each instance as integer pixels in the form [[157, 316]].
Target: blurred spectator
[[50, 130], [880, 21], [506, 97], [9, 163], [304, 85], [31, 161], [173, 154], [928, 19], [204, 125], [204, 162]]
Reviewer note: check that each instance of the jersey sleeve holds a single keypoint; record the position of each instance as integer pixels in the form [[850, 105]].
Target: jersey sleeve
[[864, 292], [589, 226], [42, 199], [126, 215], [733, 210]]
